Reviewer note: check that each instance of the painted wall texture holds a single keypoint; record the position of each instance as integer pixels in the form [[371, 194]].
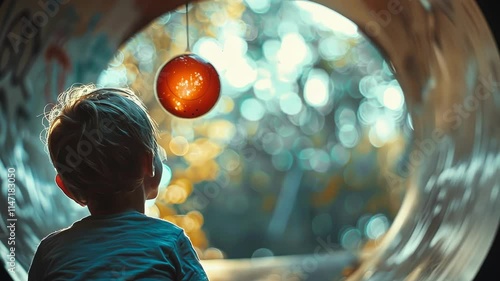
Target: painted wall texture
[[45, 47]]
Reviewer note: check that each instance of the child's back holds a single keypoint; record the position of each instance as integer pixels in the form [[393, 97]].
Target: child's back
[[103, 145], [124, 246]]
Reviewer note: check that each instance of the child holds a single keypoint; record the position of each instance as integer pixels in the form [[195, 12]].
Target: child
[[103, 146]]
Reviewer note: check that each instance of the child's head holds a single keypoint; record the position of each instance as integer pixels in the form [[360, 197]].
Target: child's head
[[103, 145]]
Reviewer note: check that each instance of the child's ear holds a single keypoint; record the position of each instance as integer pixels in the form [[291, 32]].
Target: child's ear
[[66, 191], [149, 165]]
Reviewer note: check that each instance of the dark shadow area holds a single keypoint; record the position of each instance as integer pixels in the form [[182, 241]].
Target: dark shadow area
[[487, 7], [3, 273], [490, 266]]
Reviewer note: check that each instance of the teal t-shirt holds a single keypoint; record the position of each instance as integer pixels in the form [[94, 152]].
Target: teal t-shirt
[[124, 246]]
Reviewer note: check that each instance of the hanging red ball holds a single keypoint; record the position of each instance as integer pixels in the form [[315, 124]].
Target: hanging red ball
[[187, 86]]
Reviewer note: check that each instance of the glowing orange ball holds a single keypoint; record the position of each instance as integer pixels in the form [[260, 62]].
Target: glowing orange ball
[[187, 86]]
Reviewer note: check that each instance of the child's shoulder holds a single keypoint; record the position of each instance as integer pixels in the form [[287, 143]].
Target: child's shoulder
[[48, 239], [131, 222], [166, 227], [163, 223]]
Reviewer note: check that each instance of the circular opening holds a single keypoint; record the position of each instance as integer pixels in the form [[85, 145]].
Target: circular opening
[[305, 150]]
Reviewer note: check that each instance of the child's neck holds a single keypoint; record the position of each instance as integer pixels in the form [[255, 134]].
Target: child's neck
[[101, 212], [126, 202]]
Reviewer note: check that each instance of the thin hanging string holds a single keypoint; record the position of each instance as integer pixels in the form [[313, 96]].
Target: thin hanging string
[[188, 48]]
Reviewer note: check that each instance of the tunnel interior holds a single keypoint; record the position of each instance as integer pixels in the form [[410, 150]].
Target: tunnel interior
[[390, 137]]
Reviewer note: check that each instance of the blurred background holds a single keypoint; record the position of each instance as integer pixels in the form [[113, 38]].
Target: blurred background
[[303, 143]]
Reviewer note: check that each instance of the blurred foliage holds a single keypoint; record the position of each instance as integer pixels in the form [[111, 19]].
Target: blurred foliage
[[303, 142]]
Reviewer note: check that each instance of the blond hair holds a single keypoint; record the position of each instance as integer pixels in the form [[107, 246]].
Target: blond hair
[[97, 139]]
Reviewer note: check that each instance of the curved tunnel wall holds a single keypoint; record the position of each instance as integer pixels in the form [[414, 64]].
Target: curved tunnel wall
[[46, 46], [447, 61]]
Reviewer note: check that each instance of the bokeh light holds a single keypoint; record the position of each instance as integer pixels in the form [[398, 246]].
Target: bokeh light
[[309, 126]]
